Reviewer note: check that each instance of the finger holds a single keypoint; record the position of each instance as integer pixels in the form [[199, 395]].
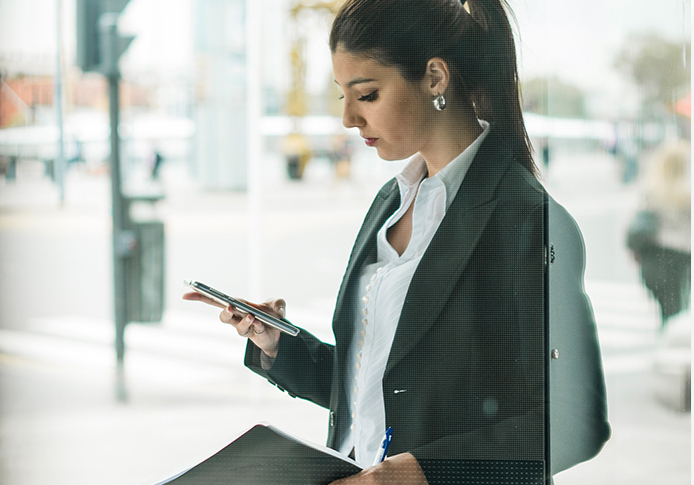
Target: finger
[[258, 328], [344, 481], [280, 307], [245, 326], [231, 315], [226, 315], [195, 296], [275, 307], [350, 480]]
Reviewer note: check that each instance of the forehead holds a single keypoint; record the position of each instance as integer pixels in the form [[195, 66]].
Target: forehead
[[352, 69]]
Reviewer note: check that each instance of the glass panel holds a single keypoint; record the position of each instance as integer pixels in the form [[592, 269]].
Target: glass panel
[[552, 300]]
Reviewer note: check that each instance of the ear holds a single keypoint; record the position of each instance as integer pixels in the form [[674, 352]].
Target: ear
[[437, 76]]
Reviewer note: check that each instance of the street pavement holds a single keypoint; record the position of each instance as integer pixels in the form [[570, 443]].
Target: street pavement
[[187, 392]]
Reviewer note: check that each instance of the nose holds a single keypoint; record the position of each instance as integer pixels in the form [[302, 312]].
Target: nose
[[351, 117]]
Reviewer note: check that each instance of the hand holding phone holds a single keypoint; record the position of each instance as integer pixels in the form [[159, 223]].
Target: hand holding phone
[[242, 308]]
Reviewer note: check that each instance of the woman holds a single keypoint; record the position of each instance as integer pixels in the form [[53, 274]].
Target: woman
[[663, 248], [439, 323]]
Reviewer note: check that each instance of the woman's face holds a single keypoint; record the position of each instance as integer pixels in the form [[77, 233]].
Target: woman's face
[[392, 114]]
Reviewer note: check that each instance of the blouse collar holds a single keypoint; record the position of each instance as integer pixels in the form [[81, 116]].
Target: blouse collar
[[451, 175]]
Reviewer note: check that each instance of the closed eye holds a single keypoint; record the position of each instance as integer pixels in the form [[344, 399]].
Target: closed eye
[[367, 97], [373, 96]]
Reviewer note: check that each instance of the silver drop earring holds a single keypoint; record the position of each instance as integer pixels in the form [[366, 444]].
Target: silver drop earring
[[439, 102]]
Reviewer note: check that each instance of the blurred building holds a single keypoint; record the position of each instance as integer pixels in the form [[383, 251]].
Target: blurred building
[[219, 39], [23, 99]]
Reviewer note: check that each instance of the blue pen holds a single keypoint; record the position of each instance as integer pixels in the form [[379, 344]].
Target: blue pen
[[383, 449]]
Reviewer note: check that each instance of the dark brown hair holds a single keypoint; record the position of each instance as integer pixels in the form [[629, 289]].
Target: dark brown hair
[[477, 46]]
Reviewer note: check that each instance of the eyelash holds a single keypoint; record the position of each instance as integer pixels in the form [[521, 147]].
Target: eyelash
[[368, 97]]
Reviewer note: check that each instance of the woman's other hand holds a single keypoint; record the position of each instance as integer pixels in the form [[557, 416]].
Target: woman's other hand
[[400, 469], [264, 336]]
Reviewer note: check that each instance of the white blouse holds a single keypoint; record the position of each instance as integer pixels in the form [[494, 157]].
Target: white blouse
[[381, 294]]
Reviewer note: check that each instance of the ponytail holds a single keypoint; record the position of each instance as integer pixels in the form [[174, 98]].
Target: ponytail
[[478, 47], [496, 97]]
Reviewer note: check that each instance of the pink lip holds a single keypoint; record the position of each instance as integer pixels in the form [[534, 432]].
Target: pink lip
[[370, 141]]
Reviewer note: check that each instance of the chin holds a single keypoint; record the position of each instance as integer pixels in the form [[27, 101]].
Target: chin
[[392, 157]]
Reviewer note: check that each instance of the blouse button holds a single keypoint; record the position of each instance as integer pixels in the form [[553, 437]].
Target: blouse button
[[358, 365], [364, 322], [363, 333], [365, 299], [364, 311], [353, 427], [373, 277], [368, 287], [356, 390], [361, 343], [359, 356]]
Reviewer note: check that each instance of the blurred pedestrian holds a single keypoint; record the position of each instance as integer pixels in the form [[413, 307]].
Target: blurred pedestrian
[[75, 154], [11, 173], [544, 146], [341, 155], [157, 160], [660, 234]]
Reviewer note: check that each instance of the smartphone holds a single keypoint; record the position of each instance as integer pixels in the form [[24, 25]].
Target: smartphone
[[243, 308]]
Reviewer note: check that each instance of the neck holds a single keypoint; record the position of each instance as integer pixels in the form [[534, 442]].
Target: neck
[[450, 137]]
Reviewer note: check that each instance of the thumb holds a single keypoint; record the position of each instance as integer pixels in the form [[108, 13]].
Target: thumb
[[279, 306]]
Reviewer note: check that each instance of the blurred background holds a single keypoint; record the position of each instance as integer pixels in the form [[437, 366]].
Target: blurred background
[[236, 170]]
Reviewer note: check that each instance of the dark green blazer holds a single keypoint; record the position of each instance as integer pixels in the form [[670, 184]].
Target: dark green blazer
[[466, 375]]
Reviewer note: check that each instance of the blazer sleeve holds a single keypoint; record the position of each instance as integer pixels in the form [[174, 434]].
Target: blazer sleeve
[[303, 367], [578, 403]]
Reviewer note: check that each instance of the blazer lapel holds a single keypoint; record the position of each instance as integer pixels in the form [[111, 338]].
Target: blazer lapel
[[450, 249], [386, 202]]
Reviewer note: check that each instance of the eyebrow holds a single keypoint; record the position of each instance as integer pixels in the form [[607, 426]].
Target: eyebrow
[[358, 80]]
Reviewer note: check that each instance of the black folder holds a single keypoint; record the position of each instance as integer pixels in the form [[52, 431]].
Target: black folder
[[265, 455]]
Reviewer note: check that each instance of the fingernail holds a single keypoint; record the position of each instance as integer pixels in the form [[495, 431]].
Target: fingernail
[[248, 318], [280, 310]]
